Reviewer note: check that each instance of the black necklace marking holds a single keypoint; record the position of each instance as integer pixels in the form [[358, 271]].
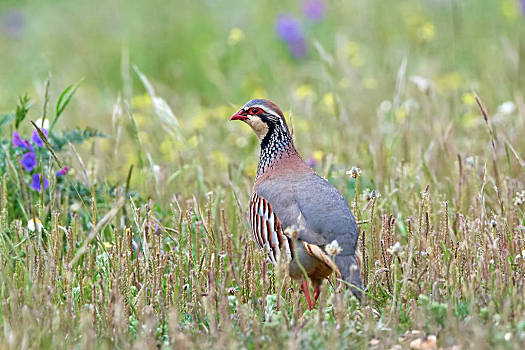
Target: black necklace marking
[[276, 141]]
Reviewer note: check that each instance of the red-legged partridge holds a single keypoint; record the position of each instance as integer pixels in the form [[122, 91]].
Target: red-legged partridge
[[288, 193]]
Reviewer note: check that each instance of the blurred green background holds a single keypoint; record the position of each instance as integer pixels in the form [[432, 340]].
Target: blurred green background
[[369, 71]]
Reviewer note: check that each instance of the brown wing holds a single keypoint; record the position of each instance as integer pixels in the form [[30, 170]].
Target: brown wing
[[267, 230]]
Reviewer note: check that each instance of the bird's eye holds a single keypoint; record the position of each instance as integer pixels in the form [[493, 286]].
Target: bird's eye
[[255, 111]]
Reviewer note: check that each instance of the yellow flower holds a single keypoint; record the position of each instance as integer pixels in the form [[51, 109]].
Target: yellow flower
[[236, 35], [329, 102], [450, 81], [426, 32], [141, 101], [220, 158], [193, 141], [509, 9], [401, 114], [107, 245], [250, 170], [304, 91], [317, 155], [468, 99]]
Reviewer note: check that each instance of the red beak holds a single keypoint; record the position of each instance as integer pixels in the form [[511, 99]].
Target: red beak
[[240, 115]]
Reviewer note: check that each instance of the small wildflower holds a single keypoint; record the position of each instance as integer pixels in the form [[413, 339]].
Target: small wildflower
[[107, 245], [519, 198], [422, 83], [311, 162], [63, 171], [385, 106], [13, 23], [231, 291], [17, 141], [31, 225], [506, 108], [288, 28], [292, 232], [76, 206], [236, 35], [42, 124], [35, 137], [289, 31], [469, 162], [354, 172], [333, 248], [298, 48], [396, 249], [35, 184], [493, 223], [29, 161], [314, 9], [377, 264], [369, 194]]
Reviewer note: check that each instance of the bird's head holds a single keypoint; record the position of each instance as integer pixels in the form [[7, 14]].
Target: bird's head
[[263, 116]]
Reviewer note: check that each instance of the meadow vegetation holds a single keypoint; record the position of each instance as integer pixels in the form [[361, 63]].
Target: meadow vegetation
[[124, 187]]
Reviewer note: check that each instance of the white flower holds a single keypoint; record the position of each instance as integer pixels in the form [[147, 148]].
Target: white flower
[[423, 84], [396, 249], [39, 123], [354, 172], [519, 198], [76, 206], [385, 106], [31, 225], [369, 194], [333, 248], [469, 162], [506, 108]]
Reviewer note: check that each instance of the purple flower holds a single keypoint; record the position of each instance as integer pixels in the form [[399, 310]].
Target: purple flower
[[289, 31], [35, 184], [36, 138], [29, 161], [63, 171], [298, 48], [288, 28], [13, 22], [311, 162], [314, 9], [17, 141]]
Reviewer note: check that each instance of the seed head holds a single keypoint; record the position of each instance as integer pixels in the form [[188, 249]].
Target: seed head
[[396, 249], [333, 248], [354, 172], [519, 198]]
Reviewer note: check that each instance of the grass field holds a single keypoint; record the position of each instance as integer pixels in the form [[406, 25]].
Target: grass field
[[126, 226]]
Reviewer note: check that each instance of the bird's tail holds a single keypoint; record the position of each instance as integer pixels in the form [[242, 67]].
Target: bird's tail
[[351, 273]]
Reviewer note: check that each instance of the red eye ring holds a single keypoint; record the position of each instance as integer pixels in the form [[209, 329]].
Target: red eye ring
[[255, 110]]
